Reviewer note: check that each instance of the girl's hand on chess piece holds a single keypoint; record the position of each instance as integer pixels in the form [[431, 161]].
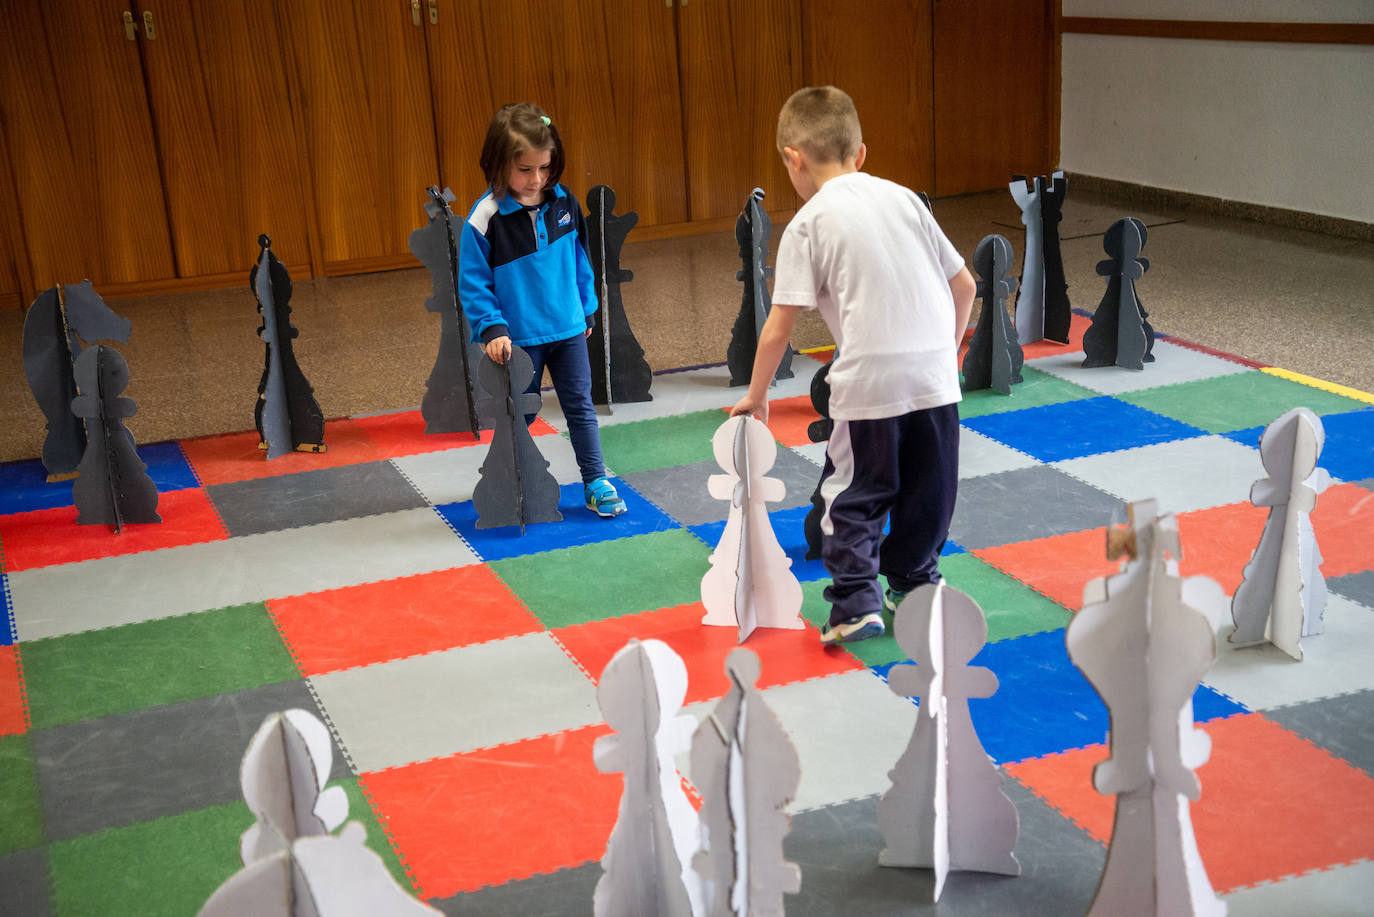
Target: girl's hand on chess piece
[[498, 349]]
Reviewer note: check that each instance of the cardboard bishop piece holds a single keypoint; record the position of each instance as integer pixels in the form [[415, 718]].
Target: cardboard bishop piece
[[750, 583]]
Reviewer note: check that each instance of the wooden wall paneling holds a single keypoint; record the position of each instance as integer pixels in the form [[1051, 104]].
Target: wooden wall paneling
[[233, 169], [883, 60], [739, 63], [991, 83], [81, 144], [462, 100]]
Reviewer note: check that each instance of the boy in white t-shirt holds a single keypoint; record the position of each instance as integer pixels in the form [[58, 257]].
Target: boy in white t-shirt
[[896, 296]]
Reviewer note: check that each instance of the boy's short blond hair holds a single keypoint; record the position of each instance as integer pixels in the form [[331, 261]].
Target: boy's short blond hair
[[821, 122]]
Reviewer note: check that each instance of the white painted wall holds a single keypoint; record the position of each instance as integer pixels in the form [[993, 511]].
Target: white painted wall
[[1283, 125]]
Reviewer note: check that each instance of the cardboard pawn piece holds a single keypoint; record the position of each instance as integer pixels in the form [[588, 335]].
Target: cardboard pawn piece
[[287, 415], [1282, 594], [1120, 334], [750, 583], [59, 320], [753, 229], [112, 485], [747, 771], [946, 809], [1144, 640], [618, 363], [516, 486], [450, 402], [819, 431], [283, 775], [648, 857], [1042, 308], [994, 357]]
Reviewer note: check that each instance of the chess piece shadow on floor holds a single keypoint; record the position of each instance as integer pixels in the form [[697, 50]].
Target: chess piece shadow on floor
[[287, 415], [515, 486], [994, 357], [616, 358], [112, 485], [1120, 334], [1042, 308], [753, 230]]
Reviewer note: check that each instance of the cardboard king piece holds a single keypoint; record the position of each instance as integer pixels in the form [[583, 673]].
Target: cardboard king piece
[[1282, 593], [750, 583], [946, 809], [283, 774], [1144, 639], [647, 866]]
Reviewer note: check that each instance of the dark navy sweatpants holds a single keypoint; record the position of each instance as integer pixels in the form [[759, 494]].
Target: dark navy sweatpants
[[905, 468]]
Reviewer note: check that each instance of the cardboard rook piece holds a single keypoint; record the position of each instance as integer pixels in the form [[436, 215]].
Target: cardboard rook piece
[[994, 357], [753, 230], [1042, 309], [57, 323], [283, 775], [647, 866], [112, 486], [747, 771], [618, 363], [750, 583], [287, 415], [1144, 639], [450, 402], [515, 486], [818, 431], [1119, 333], [1282, 594], [946, 809]]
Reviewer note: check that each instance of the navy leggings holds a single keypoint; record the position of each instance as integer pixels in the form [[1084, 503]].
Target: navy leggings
[[572, 381]]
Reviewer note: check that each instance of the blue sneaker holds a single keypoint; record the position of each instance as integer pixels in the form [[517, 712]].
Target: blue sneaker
[[852, 629], [602, 499]]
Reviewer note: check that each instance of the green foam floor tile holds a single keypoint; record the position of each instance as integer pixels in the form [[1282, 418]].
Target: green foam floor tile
[[1011, 608], [608, 579], [20, 823], [661, 443], [1035, 390], [120, 669], [1235, 402]]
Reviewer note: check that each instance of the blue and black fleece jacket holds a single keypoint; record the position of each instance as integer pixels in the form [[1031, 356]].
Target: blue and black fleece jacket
[[524, 271]]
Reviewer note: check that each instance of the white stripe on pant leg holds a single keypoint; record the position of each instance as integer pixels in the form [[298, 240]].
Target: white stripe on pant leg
[[841, 454]]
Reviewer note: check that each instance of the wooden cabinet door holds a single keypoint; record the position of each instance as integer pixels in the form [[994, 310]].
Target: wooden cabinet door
[[81, 145], [739, 62], [217, 83], [882, 59]]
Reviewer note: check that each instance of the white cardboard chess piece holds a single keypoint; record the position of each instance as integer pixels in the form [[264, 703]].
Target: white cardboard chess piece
[[648, 857], [747, 771], [750, 583], [946, 809], [1144, 639], [283, 774], [1282, 593]]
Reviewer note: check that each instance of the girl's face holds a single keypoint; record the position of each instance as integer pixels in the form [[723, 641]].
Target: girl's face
[[527, 176]]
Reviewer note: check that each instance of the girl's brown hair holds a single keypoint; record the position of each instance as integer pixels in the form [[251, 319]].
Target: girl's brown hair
[[516, 129]]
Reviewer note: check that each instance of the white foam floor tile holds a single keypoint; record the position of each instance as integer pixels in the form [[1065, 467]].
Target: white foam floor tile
[[444, 703], [1335, 662], [980, 455], [1340, 890], [1172, 364], [1182, 474], [450, 475]]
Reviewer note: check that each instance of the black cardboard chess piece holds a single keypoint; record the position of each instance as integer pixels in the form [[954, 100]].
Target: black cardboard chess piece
[[1120, 334], [625, 370], [287, 415], [516, 487], [57, 323], [818, 431], [450, 402], [994, 357], [113, 487], [753, 230], [1042, 310]]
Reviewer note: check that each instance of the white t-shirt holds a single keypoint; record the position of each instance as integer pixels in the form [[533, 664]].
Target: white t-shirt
[[867, 253]]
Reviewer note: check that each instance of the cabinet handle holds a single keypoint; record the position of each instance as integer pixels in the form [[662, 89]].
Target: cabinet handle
[[433, 12], [415, 13], [148, 25], [130, 30]]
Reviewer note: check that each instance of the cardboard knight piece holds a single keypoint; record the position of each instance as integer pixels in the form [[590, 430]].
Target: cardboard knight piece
[[1042, 308], [994, 357], [1120, 333], [515, 487], [617, 360], [753, 230], [1144, 640], [450, 401], [946, 809], [1282, 594], [818, 431], [55, 327], [287, 415], [112, 485]]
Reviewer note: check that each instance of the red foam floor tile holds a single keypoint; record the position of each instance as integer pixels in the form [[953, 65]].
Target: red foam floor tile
[[236, 456], [374, 622], [497, 814], [11, 695], [44, 537], [1343, 522], [1272, 804], [1058, 566], [403, 433], [786, 655]]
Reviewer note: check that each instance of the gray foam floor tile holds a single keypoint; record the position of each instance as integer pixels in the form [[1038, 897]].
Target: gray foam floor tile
[[132, 767], [24, 883], [1182, 474], [682, 492], [1339, 724], [1357, 586], [311, 497], [1026, 503], [566, 893], [1173, 364]]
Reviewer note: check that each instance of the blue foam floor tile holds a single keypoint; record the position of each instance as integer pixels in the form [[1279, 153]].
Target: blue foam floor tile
[[578, 527], [1348, 452], [24, 485], [1089, 426]]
